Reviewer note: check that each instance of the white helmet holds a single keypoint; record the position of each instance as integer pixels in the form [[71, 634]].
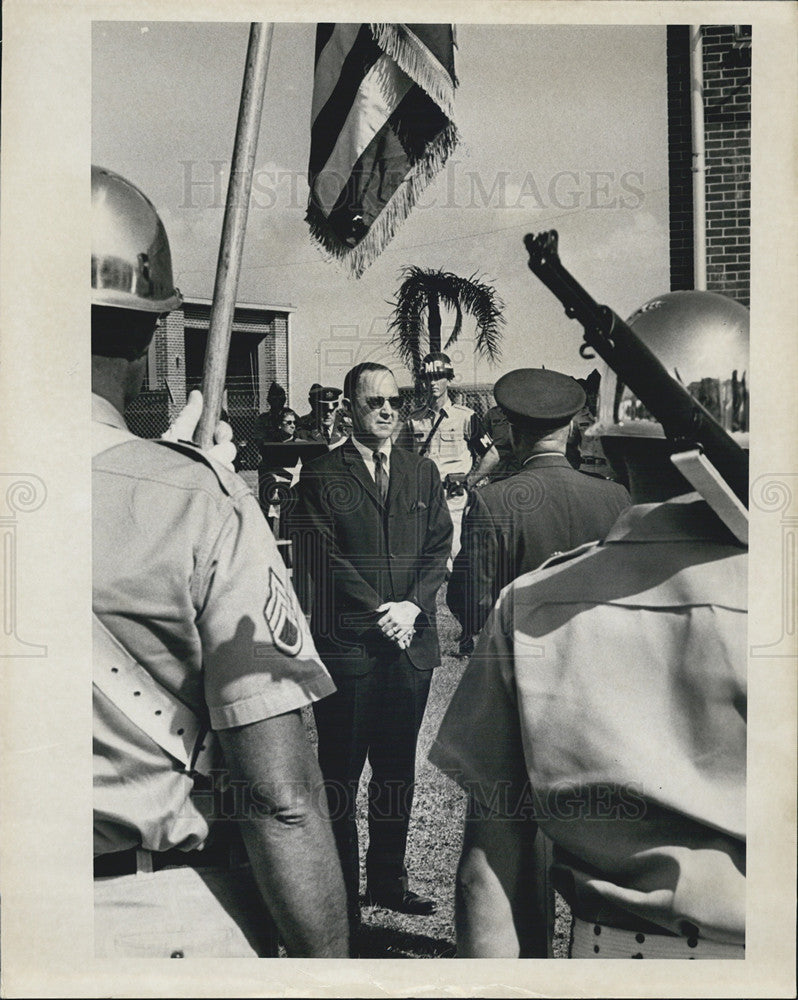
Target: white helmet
[[702, 340], [131, 265]]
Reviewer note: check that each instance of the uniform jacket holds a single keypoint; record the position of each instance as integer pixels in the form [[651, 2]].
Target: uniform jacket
[[314, 434], [360, 553], [606, 698], [308, 430], [512, 526], [188, 584]]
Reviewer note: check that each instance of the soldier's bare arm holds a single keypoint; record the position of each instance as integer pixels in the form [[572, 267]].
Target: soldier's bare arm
[[494, 889], [287, 834]]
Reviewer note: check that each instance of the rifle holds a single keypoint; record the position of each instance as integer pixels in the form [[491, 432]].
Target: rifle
[[685, 421]]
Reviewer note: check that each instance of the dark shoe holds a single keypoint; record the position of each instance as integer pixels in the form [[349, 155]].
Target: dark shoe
[[402, 900]]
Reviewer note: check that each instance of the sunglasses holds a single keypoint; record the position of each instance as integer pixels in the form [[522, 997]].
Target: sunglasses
[[377, 402]]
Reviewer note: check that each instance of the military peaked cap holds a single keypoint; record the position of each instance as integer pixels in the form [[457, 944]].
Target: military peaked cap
[[324, 394], [538, 398]]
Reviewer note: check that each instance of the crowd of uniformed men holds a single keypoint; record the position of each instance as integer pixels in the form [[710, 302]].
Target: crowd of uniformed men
[[598, 730]]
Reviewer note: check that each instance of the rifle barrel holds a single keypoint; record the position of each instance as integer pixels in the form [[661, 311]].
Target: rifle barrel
[[685, 421]]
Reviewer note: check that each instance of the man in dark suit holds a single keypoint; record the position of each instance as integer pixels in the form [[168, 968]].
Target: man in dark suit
[[512, 526], [373, 529]]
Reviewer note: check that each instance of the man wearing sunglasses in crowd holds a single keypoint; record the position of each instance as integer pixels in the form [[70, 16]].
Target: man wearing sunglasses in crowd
[[372, 528]]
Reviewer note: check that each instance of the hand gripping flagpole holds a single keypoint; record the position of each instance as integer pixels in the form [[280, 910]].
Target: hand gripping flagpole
[[234, 228]]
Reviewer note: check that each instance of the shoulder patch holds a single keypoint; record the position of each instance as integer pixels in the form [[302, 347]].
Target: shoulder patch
[[280, 613]]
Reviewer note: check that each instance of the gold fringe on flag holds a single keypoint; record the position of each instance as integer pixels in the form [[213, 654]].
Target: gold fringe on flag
[[416, 62], [414, 58], [358, 258]]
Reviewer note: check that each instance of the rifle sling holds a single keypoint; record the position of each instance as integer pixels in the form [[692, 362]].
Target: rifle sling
[[435, 426]]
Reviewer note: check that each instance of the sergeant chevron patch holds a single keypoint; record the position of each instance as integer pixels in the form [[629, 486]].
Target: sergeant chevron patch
[[281, 616]]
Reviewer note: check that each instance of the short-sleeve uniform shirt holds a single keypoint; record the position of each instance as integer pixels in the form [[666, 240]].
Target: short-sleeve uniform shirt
[[606, 699], [188, 580], [449, 448]]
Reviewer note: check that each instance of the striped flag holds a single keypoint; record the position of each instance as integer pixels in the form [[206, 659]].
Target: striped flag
[[382, 127]]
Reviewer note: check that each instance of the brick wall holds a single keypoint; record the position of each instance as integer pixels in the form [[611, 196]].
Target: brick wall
[[281, 349], [273, 358], [157, 406], [170, 362], [169, 346], [727, 127], [727, 131], [259, 333]]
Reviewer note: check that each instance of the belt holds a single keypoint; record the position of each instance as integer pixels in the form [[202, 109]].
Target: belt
[[136, 860], [590, 940]]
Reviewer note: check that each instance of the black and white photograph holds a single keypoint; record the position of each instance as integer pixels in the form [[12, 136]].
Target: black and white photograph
[[403, 456]]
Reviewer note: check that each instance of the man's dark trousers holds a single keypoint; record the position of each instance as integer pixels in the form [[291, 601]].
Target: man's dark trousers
[[374, 716]]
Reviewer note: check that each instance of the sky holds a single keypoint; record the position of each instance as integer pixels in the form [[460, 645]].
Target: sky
[[561, 127]]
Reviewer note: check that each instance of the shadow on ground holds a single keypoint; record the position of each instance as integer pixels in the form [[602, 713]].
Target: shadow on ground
[[388, 942]]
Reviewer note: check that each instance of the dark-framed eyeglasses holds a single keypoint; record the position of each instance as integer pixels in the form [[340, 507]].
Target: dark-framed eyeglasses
[[377, 402]]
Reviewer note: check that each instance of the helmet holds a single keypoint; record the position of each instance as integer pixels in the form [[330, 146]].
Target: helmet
[[131, 266], [702, 340], [437, 365]]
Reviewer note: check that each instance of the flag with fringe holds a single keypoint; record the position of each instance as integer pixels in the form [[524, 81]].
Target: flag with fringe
[[382, 127]]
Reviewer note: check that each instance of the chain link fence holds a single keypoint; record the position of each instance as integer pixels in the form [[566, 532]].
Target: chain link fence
[[148, 415], [478, 397]]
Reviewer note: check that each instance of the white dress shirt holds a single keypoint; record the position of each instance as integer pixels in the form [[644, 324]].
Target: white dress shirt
[[367, 454]]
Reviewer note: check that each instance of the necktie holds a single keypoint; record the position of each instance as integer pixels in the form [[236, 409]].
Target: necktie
[[379, 476]]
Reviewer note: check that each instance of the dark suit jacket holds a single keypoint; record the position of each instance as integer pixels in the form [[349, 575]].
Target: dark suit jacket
[[513, 526], [360, 554]]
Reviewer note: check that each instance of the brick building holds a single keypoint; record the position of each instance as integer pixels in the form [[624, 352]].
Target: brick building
[[726, 58], [258, 356]]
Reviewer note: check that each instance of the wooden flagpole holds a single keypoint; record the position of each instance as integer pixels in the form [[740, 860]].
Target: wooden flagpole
[[231, 247]]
